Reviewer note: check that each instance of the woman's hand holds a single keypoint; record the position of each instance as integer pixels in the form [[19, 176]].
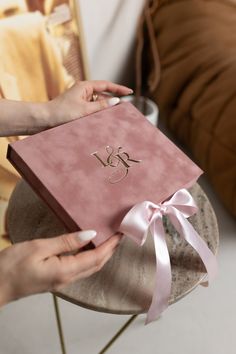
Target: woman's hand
[[49, 264], [78, 101], [83, 98]]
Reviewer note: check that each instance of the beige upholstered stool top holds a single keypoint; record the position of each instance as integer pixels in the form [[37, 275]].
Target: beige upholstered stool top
[[125, 284]]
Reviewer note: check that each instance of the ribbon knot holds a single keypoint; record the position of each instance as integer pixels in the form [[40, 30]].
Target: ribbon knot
[[161, 208], [147, 216]]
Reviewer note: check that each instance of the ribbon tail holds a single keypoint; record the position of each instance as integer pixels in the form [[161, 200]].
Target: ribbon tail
[[184, 227], [162, 289]]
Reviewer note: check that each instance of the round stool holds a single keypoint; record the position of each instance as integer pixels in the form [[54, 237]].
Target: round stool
[[125, 284]]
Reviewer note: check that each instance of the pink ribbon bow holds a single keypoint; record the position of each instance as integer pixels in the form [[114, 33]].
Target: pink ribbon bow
[[147, 216]]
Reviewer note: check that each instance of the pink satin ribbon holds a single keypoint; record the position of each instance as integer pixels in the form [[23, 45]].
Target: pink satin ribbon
[[147, 216]]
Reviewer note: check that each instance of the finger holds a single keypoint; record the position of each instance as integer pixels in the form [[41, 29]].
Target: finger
[[94, 258], [101, 86], [95, 269], [72, 266], [64, 243], [75, 275], [96, 106]]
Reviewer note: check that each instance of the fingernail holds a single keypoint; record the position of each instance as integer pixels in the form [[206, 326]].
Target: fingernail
[[130, 91], [113, 101], [86, 235]]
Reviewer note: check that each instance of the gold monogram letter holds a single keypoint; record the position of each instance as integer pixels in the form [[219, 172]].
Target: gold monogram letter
[[116, 159]]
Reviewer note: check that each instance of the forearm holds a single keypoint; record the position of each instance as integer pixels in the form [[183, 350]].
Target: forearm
[[25, 118], [22, 118]]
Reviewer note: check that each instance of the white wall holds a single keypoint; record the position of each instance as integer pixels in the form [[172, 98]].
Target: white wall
[[110, 31]]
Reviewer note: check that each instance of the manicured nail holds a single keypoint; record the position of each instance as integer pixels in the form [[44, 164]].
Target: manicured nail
[[113, 101], [86, 235]]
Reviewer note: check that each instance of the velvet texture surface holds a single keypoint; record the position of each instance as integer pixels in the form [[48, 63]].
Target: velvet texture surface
[[197, 92], [137, 163]]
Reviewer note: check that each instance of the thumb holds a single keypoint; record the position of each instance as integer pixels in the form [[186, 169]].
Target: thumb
[[92, 107], [66, 243]]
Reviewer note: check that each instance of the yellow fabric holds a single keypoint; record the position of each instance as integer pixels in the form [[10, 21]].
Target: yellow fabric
[[3, 161], [49, 5], [12, 7], [4, 240], [8, 175], [29, 54], [7, 184], [8, 179], [30, 64], [31, 70]]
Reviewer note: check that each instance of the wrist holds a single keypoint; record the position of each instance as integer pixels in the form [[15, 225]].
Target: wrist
[[56, 113], [40, 116]]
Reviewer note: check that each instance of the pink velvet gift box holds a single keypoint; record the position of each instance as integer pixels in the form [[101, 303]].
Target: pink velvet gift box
[[93, 170]]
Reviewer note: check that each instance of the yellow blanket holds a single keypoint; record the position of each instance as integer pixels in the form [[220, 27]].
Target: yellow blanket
[[30, 69], [12, 7], [29, 54]]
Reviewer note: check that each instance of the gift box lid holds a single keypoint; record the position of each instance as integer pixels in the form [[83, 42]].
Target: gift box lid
[[92, 170]]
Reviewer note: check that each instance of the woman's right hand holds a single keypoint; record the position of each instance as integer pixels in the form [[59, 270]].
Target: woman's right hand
[[49, 264]]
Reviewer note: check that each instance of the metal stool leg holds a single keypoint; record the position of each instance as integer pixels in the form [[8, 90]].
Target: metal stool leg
[[61, 335], [117, 335], [59, 325]]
